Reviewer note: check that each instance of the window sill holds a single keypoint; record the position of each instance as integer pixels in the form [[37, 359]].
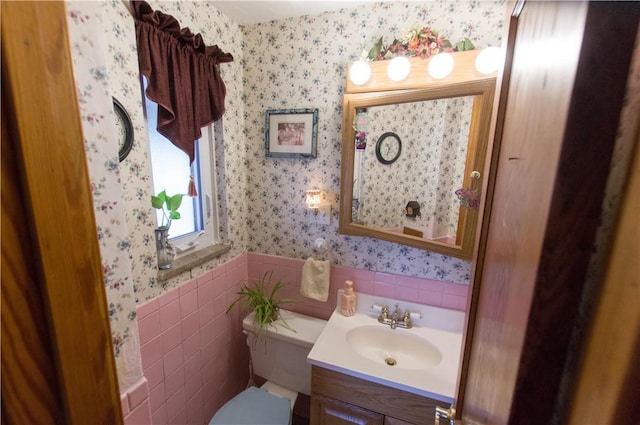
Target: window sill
[[190, 261]]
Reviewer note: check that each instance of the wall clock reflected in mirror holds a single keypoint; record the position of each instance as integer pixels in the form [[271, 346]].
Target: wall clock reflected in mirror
[[388, 148]]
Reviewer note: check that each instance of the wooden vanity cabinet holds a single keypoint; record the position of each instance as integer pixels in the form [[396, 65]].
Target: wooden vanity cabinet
[[338, 399], [388, 420], [326, 410]]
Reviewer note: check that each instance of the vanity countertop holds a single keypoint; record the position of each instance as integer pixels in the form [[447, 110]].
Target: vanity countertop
[[435, 377]]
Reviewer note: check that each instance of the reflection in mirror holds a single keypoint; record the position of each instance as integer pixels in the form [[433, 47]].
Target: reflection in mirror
[[443, 127], [430, 169]]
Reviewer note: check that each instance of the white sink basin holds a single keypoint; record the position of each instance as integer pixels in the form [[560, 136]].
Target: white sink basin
[[426, 356], [393, 347]]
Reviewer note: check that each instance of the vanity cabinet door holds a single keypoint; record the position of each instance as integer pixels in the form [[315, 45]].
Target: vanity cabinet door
[[388, 420], [400, 407], [328, 411]]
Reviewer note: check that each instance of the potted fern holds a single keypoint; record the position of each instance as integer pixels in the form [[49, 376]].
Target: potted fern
[[260, 296], [169, 206]]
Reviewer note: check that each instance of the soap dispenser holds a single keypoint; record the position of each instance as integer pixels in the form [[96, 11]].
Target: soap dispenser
[[348, 300]]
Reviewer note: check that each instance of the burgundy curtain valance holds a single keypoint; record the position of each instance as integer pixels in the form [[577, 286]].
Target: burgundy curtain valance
[[182, 73]]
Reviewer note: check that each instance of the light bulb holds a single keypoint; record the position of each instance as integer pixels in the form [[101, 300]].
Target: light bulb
[[441, 65], [489, 60], [360, 72], [398, 68]]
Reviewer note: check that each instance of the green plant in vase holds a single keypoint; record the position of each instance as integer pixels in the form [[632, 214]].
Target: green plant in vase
[[169, 206], [260, 296]]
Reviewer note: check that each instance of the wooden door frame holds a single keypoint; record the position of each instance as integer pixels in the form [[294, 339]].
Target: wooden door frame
[[499, 110], [576, 206], [609, 370], [57, 355], [590, 134]]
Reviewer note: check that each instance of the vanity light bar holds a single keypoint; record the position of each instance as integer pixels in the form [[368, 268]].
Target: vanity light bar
[[404, 72]]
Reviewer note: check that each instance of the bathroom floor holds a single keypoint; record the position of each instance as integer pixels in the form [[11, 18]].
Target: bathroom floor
[[301, 410]]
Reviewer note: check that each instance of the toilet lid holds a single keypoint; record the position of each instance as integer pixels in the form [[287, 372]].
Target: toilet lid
[[254, 406]]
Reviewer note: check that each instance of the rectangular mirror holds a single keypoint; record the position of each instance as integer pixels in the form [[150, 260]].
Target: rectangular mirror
[[413, 162]]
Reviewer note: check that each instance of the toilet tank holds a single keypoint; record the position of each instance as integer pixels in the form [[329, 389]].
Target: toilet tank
[[280, 354]]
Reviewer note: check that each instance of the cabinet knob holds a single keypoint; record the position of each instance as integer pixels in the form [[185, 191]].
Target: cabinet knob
[[442, 413]]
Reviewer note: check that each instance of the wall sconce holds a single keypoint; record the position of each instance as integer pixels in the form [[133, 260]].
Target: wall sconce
[[399, 68], [441, 65], [321, 212], [313, 199], [360, 72]]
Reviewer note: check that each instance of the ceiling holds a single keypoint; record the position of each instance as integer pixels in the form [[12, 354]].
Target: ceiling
[[253, 12]]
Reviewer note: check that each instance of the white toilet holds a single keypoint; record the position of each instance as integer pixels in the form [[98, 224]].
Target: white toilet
[[280, 356]]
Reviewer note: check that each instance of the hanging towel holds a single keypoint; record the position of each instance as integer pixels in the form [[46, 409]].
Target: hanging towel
[[315, 279]]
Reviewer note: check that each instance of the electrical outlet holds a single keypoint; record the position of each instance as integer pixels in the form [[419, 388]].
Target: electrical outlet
[[320, 216]]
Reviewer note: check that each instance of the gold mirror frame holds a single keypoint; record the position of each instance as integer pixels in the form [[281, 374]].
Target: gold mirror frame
[[380, 91]]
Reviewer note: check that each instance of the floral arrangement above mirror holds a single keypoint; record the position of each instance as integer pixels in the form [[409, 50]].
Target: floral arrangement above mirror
[[420, 42]]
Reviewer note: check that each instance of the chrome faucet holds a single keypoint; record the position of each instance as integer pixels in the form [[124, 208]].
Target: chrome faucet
[[397, 318]]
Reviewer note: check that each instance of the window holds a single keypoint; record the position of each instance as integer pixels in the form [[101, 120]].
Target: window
[[197, 226]]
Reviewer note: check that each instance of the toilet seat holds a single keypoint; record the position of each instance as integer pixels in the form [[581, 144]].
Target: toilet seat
[[254, 406]]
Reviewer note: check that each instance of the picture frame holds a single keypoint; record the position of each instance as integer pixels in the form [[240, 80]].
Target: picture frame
[[291, 133]]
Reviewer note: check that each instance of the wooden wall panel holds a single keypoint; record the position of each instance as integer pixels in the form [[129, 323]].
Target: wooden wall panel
[[607, 389], [29, 379], [39, 102], [530, 147], [576, 205], [557, 138]]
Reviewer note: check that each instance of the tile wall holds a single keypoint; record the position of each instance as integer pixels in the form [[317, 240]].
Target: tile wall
[[194, 355], [404, 288]]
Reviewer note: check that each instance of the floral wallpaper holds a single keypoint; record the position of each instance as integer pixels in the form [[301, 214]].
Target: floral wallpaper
[[96, 110], [430, 168], [102, 38], [292, 63], [301, 63], [215, 28]]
